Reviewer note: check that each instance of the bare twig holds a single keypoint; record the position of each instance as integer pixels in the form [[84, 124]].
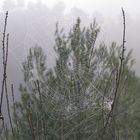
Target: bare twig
[[8, 109], [43, 120], [4, 64], [14, 108], [118, 78], [30, 122], [6, 91]]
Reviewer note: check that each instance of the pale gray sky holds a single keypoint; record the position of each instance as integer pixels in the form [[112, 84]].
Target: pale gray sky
[[106, 7], [109, 10]]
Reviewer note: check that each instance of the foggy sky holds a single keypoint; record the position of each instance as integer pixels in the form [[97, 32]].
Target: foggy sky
[[106, 7], [36, 24]]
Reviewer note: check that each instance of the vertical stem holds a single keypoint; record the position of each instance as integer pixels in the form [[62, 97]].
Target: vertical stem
[[14, 107], [43, 120], [30, 122], [4, 64], [118, 78]]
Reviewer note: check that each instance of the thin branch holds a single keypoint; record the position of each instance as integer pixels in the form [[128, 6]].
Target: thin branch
[[118, 78], [6, 91], [4, 63], [14, 108], [43, 120], [30, 122]]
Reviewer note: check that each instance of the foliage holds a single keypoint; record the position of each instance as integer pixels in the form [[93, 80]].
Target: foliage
[[91, 92], [72, 100]]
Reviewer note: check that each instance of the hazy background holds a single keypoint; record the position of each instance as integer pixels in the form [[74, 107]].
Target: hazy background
[[33, 22]]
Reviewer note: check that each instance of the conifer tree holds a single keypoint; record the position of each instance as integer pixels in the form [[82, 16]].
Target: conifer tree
[[72, 100]]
